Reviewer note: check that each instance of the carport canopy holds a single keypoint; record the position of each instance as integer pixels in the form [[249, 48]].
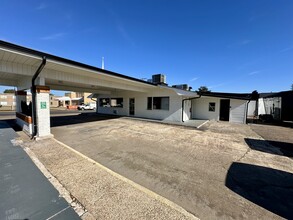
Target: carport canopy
[[19, 64]]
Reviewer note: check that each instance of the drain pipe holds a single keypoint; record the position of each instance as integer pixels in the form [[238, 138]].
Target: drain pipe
[[183, 100], [33, 90]]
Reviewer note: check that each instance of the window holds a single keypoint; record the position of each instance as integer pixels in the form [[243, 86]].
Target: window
[[3, 103], [150, 103], [212, 106], [113, 102], [161, 103], [105, 102], [117, 102]]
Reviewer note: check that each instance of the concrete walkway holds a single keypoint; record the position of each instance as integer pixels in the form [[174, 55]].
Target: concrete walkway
[[25, 192]]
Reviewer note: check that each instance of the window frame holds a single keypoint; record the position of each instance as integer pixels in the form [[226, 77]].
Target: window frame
[[149, 103], [212, 107], [105, 104], [117, 105], [157, 103]]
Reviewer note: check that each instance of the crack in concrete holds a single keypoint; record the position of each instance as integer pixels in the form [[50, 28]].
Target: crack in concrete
[[244, 155]]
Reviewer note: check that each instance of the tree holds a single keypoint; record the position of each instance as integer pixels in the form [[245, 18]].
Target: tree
[[9, 91], [254, 95], [292, 86], [203, 89]]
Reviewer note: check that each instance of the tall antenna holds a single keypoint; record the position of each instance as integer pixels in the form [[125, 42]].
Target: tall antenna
[[103, 65]]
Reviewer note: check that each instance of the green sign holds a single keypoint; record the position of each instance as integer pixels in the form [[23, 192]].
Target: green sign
[[43, 105]]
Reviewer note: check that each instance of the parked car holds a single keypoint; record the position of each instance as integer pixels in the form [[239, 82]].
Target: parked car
[[86, 107]]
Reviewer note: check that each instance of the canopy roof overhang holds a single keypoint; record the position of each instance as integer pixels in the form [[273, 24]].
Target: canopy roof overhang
[[18, 65]]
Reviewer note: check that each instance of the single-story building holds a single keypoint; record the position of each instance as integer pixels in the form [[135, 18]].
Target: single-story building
[[171, 104], [116, 93]]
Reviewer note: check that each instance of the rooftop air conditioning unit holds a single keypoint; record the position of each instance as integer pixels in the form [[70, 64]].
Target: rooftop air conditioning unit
[[181, 86], [159, 79]]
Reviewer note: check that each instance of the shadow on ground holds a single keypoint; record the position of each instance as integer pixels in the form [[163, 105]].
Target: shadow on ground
[[12, 124], [79, 119], [272, 147], [269, 188]]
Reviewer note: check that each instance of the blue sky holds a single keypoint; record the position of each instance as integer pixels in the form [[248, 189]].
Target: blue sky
[[227, 45]]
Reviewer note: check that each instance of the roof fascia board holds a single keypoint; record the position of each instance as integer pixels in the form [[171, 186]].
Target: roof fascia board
[[21, 53], [226, 97]]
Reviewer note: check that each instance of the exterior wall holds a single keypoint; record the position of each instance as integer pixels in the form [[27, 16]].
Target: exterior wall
[[173, 114], [251, 109], [261, 107], [200, 108], [83, 95], [87, 100], [53, 101], [238, 111], [7, 101]]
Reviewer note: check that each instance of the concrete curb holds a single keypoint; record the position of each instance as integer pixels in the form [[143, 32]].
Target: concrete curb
[[74, 203]]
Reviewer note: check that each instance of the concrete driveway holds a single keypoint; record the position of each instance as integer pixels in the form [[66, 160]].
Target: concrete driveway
[[212, 173]]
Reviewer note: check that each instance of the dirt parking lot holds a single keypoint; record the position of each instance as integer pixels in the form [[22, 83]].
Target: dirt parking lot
[[214, 173]]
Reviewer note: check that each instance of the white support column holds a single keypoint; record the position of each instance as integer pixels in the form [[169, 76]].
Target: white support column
[[43, 112]]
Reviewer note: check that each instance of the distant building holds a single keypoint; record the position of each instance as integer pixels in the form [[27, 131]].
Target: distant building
[[7, 101], [54, 101], [73, 99], [78, 98]]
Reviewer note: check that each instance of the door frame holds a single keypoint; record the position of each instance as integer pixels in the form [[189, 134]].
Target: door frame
[[224, 114], [131, 111]]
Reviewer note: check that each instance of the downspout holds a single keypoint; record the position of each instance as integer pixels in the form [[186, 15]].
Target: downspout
[[33, 90], [183, 100]]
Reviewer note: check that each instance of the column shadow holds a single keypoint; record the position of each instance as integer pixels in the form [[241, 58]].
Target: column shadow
[[272, 147], [269, 188]]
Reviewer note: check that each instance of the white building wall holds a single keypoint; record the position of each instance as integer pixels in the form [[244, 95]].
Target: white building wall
[[200, 108], [261, 107], [173, 114], [237, 111], [251, 108]]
